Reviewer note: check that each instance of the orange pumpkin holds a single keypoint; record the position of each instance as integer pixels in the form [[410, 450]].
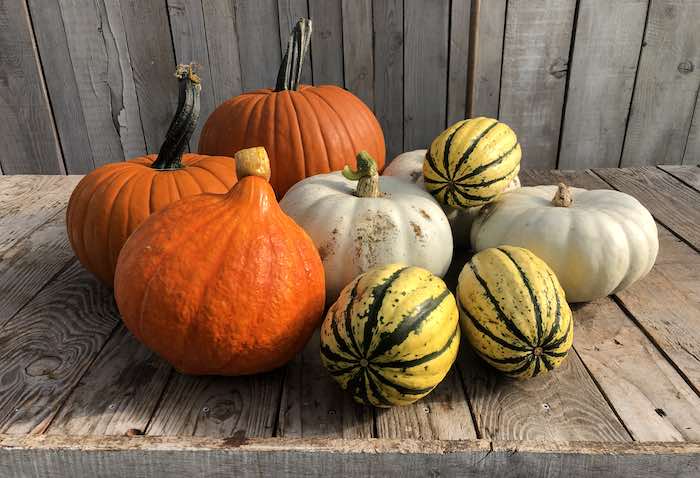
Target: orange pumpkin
[[108, 204], [307, 130], [223, 284]]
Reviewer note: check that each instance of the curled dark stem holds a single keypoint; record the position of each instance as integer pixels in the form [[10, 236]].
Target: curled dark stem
[[289, 73]]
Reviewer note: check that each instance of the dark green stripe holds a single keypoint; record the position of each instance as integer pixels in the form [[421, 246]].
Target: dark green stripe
[[372, 316], [357, 386], [480, 169], [559, 341], [479, 326], [556, 354], [334, 357], [435, 181], [537, 367], [348, 318], [378, 393], [546, 363], [342, 345], [411, 323], [420, 360], [508, 360], [520, 370], [468, 152], [448, 146], [399, 388], [510, 325], [491, 181], [471, 197], [431, 162], [531, 292], [557, 317]]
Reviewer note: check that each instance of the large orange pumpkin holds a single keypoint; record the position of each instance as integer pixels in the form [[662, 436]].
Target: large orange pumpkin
[[108, 204], [223, 284], [307, 130]]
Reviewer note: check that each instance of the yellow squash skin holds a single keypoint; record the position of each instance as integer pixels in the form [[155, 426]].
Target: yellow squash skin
[[471, 162], [513, 311], [392, 335]]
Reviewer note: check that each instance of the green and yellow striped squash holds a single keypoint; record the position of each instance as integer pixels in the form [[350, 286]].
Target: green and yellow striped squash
[[392, 335], [513, 311], [471, 162]]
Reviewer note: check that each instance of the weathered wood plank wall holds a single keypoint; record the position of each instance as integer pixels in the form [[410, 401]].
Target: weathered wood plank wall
[[584, 83]]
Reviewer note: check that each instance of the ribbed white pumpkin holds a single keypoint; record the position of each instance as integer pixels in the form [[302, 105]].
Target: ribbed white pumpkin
[[409, 166], [354, 234], [598, 244]]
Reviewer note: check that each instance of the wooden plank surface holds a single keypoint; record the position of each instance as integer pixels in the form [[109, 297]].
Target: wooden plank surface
[[28, 137], [688, 175], [488, 58], [667, 85], [426, 38], [152, 61], [290, 11], [223, 47], [671, 202], [533, 79], [313, 405], [358, 55], [257, 26], [460, 16], [601, 80], [48, 346], [61, 84], [154, 456], [327, 41], [388, 72]]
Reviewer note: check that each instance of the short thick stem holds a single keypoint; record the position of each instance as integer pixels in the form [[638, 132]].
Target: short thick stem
[[184, 121], [563, 196], [289, 74], [366, 175]]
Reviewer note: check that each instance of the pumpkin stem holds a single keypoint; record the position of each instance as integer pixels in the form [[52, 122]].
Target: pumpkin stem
[[184, 121], [252, 162], [290, 70], [563, 196], [366, 175]]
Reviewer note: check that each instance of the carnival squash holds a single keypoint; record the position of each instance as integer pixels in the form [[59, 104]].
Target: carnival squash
[[392, 336], [359, 220], [108, 204], [223, 284], [409, 166], [307, 129], [597, 242], [471, 162], [514, 312]]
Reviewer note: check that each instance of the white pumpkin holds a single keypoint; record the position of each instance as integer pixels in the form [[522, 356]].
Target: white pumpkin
[[597, 242], [409, 166], [382, 221]]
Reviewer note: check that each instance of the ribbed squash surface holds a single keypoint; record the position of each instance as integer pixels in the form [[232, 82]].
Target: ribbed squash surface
[[471, 162], [391, 336], [513, 311]]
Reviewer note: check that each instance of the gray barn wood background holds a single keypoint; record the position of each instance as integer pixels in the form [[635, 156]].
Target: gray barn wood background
[[584, 83]]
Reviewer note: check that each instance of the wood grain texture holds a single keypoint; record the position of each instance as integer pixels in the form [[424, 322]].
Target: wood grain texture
[[28, 137], [667, 85], [671, 202], [442, 415], [190, 43], [489, 57], [388, 72], [101, 67], [314, 405], [163, 456], [62, 87], [48, 346], [358, 55], [327, 41], [460, 15], [223, 47], [691, 155], [218, 406], [601, 79], [290, 11], [426, 38], [152, 60], [257, 26], [533, 80], [118, 393], [689, 175]]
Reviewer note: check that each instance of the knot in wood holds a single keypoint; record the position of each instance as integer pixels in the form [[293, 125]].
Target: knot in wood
[[686, 67]]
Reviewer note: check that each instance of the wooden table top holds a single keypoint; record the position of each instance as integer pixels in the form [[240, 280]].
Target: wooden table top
[[626, 401]]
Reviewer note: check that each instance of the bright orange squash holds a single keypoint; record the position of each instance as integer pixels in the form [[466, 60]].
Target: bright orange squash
[[308, 130], [223, 284], [108, 204]]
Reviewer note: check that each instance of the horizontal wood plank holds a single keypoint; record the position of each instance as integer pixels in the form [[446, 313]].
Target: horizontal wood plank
[[690, 175]]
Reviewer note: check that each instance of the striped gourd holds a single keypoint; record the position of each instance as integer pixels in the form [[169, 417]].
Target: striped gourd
[[471, 162], [513, 311], [391, 336]]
